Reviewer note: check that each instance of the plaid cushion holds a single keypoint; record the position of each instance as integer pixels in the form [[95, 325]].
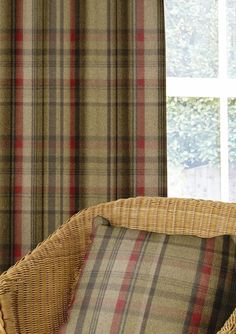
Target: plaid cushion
[[140, 282]]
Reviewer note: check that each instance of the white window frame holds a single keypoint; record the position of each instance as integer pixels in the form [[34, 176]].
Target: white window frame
[[221, 88]]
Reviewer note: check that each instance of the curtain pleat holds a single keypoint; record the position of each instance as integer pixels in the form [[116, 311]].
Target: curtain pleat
[[82, 111]]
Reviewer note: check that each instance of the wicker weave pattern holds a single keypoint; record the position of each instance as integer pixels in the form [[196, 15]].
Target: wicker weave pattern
[[35, 293], [172, 216], [2, 330]]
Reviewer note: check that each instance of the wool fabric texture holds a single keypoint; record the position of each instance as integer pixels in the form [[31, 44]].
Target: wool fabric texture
[[82, 111], [142, 282]]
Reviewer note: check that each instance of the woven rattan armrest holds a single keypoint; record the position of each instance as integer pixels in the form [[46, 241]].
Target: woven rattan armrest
[[36, 292]]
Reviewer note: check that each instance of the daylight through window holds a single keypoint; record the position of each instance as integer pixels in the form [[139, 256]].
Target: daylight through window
[[201, 102]]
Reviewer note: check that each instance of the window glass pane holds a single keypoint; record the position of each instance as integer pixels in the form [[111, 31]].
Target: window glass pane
[[192, 38], [231, 30], [193, 147], [232, 148]]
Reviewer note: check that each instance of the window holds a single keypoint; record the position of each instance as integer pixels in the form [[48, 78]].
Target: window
[[201, 98]]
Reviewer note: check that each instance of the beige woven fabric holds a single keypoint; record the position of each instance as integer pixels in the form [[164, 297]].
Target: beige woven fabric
[[36, 292]]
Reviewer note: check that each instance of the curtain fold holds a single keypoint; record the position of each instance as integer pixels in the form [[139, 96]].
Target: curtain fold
[[82, 111]]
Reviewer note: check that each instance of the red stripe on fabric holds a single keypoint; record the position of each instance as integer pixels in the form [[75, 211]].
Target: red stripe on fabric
[[72, 107], [17, 251], [140, 36], [72, 80], [19, 143], [72, 35], [19, 74], [125, 286], [19, 82], [205, 274], [19, 36], [140, 82], [72, 144], [18, 189]]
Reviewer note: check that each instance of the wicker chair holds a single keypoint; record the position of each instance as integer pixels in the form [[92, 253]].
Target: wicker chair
[[36, 292]]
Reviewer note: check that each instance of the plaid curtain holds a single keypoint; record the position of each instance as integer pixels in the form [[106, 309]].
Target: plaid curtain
[[82, 119]]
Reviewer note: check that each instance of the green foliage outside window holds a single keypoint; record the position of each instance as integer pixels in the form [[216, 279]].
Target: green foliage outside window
[[194, 133], [232, 131], [192, 38], [192, 51]]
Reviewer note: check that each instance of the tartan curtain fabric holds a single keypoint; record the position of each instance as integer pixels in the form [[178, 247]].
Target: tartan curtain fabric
[[82, 119]]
